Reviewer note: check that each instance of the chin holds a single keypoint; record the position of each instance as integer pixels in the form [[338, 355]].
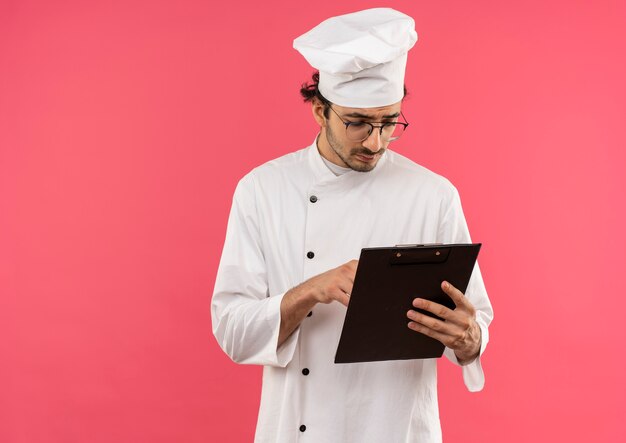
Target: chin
[[362, 167]]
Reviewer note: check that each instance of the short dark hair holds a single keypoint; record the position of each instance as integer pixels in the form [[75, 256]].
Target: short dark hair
[[310, 91]]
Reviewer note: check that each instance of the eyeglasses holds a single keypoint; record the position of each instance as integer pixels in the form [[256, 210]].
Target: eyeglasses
[[359, 131]]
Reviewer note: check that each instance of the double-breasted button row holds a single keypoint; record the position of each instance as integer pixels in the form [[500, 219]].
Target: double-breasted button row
[[310, 255]]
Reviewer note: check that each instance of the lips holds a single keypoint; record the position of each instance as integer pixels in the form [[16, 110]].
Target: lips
[[365, 158]]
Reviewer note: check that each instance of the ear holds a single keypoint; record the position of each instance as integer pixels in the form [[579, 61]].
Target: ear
[[317, 108]]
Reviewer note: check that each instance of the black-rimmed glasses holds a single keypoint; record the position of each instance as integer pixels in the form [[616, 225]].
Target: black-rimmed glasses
[[359, 131]]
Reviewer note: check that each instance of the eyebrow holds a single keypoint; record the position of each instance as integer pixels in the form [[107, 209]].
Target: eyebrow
[[369, 117]]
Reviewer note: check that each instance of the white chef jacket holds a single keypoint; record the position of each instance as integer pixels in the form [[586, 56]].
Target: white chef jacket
[[292, 219]]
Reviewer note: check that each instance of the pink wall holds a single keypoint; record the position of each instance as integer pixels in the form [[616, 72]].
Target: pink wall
[[125, 125]]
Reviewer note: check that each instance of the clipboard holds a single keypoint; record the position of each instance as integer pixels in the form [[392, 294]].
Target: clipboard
[[386, 282]]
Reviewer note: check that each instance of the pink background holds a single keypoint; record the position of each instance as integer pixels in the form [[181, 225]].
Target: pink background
[[125, 125]]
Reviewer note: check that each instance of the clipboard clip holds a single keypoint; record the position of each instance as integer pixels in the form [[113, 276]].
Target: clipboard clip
[[416, 245], [413, 254]]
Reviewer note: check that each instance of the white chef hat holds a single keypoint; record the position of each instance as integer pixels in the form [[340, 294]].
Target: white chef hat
[[361, 56]]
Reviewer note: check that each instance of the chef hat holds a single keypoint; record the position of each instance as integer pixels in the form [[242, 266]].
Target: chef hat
[[361, 56]]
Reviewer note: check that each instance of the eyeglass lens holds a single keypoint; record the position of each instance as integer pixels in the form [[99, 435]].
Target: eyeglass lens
[[360, 131]]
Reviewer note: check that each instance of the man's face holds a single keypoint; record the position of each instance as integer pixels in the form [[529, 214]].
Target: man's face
[[362, 155]]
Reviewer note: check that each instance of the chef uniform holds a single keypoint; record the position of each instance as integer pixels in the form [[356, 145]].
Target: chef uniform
[[294, 218]]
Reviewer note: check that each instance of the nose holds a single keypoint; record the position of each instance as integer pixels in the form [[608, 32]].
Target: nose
[[373, 142]]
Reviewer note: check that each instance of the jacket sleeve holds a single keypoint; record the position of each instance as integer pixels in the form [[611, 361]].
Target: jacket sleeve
[[453, 229], [245, 316]]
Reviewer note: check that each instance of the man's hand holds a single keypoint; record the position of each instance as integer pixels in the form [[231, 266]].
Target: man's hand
[[458, 330], [333, 285]]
